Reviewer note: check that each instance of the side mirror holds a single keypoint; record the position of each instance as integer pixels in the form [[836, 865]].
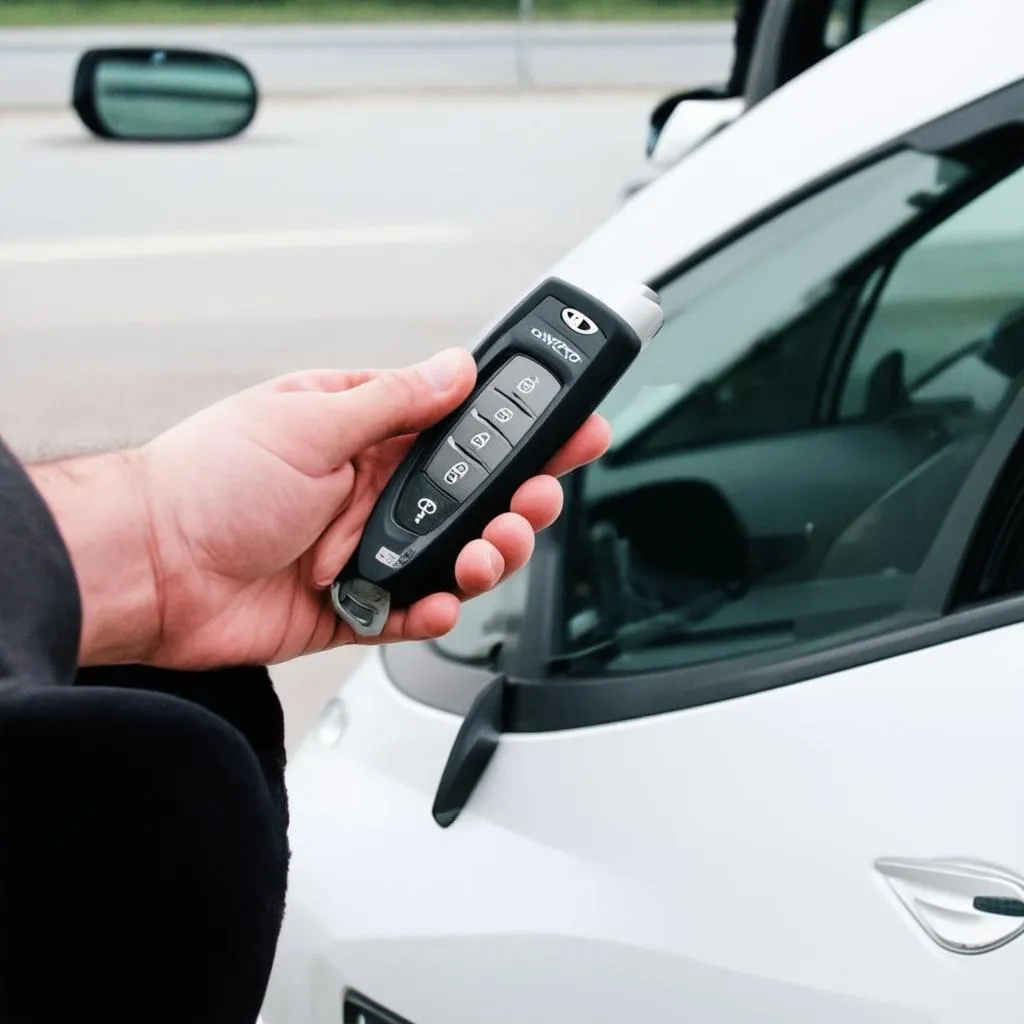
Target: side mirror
[[664, 109], [137, 94], [690, 122]]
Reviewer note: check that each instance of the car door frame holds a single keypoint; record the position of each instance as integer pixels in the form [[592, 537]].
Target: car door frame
[[538, 701], [772, 54]]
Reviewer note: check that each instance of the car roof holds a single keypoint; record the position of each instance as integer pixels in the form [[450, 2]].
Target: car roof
[[924, 63]]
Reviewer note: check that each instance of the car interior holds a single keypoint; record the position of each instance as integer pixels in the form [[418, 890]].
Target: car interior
[[795, 488]]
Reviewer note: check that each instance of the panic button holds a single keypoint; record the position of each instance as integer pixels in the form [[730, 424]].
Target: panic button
[[422, 507], [527, 382]]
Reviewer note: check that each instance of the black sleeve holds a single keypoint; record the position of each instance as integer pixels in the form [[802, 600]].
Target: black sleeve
[[40, 610], [244, 697], [143, 842]]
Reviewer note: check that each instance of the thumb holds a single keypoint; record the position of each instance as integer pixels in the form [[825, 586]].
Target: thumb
[[404, 401]]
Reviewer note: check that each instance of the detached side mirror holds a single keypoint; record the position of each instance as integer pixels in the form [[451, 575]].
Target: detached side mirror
[[692, 121], [137, 94]]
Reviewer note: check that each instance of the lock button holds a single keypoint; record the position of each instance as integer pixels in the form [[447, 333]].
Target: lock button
[[454, 472], [528, 383], [482, 440]]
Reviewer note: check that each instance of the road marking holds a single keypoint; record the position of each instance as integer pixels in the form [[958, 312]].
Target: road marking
[[131, 247]]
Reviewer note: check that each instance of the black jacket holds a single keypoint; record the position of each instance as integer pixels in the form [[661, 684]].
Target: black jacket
[[143, 815]]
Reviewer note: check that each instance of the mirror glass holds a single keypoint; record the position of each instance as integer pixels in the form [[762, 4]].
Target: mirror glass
[[164, 95]]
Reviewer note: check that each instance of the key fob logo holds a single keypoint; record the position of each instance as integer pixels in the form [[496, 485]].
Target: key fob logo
[[556, 345], [481, 440], [456, 473], [577, 321], [527, 384], [427, 507], [504, 415]]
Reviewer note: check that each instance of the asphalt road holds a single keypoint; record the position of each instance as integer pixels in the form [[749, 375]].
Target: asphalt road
[[139, 283], [36, 66]]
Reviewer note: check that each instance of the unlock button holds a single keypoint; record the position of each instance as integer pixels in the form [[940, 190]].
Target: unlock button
[[482, 440]]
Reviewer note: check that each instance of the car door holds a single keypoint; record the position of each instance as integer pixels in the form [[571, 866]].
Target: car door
[[780, 733]]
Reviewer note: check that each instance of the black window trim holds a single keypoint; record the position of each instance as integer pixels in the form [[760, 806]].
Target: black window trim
[[537, 704]]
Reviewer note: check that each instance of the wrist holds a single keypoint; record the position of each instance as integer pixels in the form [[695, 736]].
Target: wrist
[[100, 507]]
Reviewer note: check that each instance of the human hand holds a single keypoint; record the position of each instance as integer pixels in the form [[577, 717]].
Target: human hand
[[254, 504]]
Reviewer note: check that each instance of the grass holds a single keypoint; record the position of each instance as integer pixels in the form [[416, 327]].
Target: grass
[[109, 12]]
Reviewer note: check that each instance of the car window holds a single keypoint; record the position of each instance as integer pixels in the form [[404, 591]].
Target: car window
[[487, 622], [950, 305], [786, 448]]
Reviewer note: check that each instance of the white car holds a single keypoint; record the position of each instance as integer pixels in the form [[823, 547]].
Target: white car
[[755, 712]]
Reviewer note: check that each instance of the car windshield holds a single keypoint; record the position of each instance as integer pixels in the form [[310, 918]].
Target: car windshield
[[785, 449]]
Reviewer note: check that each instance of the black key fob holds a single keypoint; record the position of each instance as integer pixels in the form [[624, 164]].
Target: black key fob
[[540, 373]]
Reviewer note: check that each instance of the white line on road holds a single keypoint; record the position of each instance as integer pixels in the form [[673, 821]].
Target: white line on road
[[130, 247]]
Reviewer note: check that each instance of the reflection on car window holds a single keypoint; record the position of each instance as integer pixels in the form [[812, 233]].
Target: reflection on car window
[[787, 447]]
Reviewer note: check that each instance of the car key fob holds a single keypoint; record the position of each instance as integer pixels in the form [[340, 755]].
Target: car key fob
[[540, 373]]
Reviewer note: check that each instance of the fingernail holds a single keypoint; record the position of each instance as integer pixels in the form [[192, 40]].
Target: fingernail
[[497, 563], [442, 370]]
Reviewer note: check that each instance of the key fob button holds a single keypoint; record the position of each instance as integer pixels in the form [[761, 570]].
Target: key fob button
[[527, 382], [456, 474], [481, 440], [508, 417], [422, 507]]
